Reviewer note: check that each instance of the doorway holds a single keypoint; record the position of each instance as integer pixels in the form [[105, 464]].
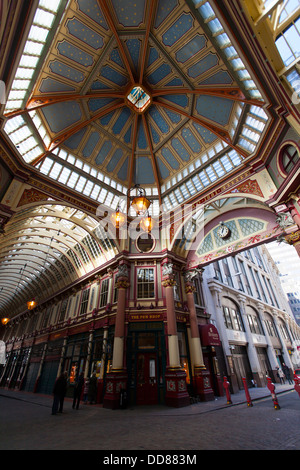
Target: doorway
[[147, 389], [241, 366], [146, 363]]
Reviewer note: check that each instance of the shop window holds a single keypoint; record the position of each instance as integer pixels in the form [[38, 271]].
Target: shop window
[[145, 283], [289, 157]]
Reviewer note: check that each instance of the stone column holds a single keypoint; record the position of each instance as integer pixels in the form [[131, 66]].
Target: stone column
[[176, 390], [285, 352], [62, 356], [270, 351], [201, 376], [252, 353], [102, 366], [116, 379], [89, 351], [216, 291], [40, 368]]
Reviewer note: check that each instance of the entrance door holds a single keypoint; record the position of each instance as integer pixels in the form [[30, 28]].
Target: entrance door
[[147, 387]]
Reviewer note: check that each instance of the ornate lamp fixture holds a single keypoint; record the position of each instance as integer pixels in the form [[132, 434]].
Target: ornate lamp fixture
[[147, 223], [5, 320], [31, 304], [118, 218], [140, 203]]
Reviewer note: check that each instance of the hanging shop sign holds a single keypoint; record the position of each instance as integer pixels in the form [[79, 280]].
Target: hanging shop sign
[[209, 335]]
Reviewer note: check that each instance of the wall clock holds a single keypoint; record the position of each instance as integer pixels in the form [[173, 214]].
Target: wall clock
[[223, 231]]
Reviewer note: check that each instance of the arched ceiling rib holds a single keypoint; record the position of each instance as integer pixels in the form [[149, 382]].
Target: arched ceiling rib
[[48, 245]]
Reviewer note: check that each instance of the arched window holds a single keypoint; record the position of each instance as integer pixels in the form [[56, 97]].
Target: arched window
[[288, 158], [232, 316]]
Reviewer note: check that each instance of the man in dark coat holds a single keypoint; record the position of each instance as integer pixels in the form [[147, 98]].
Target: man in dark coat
[[59, 392], [287, 374], [77, 391]]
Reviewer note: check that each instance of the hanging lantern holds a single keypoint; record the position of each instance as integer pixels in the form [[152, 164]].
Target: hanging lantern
[[31, 304], [147, 223], [118, 218], [140, 204], [4, 321]]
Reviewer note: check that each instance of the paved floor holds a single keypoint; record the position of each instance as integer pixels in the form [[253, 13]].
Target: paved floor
[[26, 423]]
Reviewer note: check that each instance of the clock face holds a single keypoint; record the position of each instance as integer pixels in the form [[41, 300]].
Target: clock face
[[223, 231]]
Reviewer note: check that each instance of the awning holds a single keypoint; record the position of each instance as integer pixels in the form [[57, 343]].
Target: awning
[[209, 335]]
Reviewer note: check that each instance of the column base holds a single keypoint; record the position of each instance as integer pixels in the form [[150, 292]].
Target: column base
[[115, 382], [176, 391], [203, 384]]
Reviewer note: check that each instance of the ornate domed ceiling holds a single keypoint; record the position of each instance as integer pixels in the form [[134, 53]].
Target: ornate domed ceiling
[[113, 93]]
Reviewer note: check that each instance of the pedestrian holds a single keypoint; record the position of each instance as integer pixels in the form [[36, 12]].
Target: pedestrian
[[280, 375], [59, 392], [85, 391], [287, 374], [93, 389], [77, 391]]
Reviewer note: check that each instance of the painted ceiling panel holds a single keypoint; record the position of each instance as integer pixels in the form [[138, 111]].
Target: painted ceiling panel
[[105, 57]]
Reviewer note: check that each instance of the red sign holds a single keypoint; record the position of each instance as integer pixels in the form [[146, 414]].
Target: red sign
[[209, 335]]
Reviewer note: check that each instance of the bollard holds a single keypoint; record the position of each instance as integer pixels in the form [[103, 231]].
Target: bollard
[[297, 385], [226, 386], [249, 401], [271, 387]]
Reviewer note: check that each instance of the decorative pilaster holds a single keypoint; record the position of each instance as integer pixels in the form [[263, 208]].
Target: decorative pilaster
[[116, 380], [216, 291], [281, 338], [176, 390], [201, 376]]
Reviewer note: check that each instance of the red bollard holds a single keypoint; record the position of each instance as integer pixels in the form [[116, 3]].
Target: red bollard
[[271, 387], [297, 385], [226, 386], [249, 401]]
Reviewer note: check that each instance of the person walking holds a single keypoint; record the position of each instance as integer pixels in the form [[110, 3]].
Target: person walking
[[280, 375], [86, 391], [93, 389], [59, 392], [287, 374], [77, 391]]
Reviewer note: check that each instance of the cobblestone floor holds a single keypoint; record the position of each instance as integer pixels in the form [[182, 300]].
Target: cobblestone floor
[[26, 423]]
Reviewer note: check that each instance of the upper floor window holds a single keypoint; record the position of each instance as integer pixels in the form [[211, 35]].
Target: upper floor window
[[254, 324], [145, 283], [233, 319], [84, 301], [104, 293], [289, 157]]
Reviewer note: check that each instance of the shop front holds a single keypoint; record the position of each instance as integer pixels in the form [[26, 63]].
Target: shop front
[[146, 362], [213, 357]]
